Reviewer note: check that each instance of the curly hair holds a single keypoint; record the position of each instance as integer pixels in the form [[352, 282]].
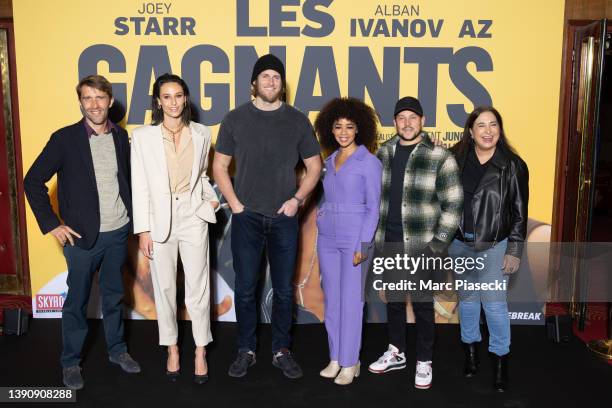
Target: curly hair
[[351, 109]]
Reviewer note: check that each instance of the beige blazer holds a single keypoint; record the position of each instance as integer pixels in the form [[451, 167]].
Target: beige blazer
[[151, 196]]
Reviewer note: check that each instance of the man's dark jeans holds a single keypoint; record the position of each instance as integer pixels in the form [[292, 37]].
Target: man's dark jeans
[[108, 255], [251, 233]]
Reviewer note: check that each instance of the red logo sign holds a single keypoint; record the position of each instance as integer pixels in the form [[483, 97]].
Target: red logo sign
[[49, 303]]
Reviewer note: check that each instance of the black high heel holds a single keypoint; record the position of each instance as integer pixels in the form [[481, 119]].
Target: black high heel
[[172, 375], [200, 379]]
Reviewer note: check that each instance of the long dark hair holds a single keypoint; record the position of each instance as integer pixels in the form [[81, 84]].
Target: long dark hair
[[466, 142], [158, 114]]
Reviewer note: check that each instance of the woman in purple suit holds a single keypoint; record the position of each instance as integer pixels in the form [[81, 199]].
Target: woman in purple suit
[[346, 223]]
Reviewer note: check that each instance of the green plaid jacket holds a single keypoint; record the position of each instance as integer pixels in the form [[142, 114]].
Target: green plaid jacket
[[432, 203]]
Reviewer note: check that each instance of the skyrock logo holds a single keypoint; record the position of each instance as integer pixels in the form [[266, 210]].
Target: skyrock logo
[[49, 303]]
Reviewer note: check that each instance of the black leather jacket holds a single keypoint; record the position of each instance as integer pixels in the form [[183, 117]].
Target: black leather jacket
[[500, 203]]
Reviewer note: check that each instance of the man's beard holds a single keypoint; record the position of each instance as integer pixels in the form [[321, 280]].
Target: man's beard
[[416, 134], [96, 121], [270, 99]]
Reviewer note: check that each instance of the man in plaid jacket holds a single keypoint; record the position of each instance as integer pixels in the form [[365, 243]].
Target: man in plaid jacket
[[421, 207]]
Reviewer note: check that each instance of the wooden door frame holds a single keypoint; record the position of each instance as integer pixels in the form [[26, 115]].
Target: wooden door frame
[[22, 257], [563, 127]]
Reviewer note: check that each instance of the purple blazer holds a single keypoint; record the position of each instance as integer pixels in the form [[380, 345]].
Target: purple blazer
[[352, 198]]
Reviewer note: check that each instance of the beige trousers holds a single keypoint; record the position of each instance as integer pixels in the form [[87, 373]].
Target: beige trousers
[[189, 237]]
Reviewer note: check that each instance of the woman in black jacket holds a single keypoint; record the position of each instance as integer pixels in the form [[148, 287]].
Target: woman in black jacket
[[495, 185]]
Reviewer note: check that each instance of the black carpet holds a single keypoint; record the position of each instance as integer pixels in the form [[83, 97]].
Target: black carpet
[[542, 374]]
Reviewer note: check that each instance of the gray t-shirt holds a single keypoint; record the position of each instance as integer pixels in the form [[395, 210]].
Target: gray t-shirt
[[266, 146]]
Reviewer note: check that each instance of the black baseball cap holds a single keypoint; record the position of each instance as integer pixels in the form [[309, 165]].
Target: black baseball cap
[[408, 103]]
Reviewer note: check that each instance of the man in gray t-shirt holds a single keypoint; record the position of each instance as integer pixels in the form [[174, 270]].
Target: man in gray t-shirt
[[266, 138]]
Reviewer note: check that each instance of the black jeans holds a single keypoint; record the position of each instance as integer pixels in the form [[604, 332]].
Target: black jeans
[[425, 327], [108, 255], [251, 233], [422, 305]]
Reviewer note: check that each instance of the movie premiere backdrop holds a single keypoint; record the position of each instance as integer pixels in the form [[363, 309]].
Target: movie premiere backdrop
[[452, 54]]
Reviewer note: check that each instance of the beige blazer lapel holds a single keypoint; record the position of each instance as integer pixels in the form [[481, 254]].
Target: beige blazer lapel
[[198, 141], [160, 156]]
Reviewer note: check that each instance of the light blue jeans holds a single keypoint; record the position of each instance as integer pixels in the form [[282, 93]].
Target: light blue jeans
[[493, 301]]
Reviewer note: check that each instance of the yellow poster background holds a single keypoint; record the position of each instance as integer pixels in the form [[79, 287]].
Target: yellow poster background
[[525, 47]]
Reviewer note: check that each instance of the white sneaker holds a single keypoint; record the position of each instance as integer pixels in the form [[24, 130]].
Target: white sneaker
[[423, 376], [392, 359]]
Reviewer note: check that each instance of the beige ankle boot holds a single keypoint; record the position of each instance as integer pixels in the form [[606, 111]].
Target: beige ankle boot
[[347, 374], [331, 370]]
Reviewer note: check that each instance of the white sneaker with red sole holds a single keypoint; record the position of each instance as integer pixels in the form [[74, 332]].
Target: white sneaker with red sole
[[392, 359], [424, 375]]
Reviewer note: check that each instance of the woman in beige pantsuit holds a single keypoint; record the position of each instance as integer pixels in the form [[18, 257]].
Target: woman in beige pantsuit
[[173, 203]]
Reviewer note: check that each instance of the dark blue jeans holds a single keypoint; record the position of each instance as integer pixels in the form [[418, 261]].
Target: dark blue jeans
[[251, 234], [108, 255]]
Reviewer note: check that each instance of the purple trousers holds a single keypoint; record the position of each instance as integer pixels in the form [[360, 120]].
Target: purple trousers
[[342, 283]]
